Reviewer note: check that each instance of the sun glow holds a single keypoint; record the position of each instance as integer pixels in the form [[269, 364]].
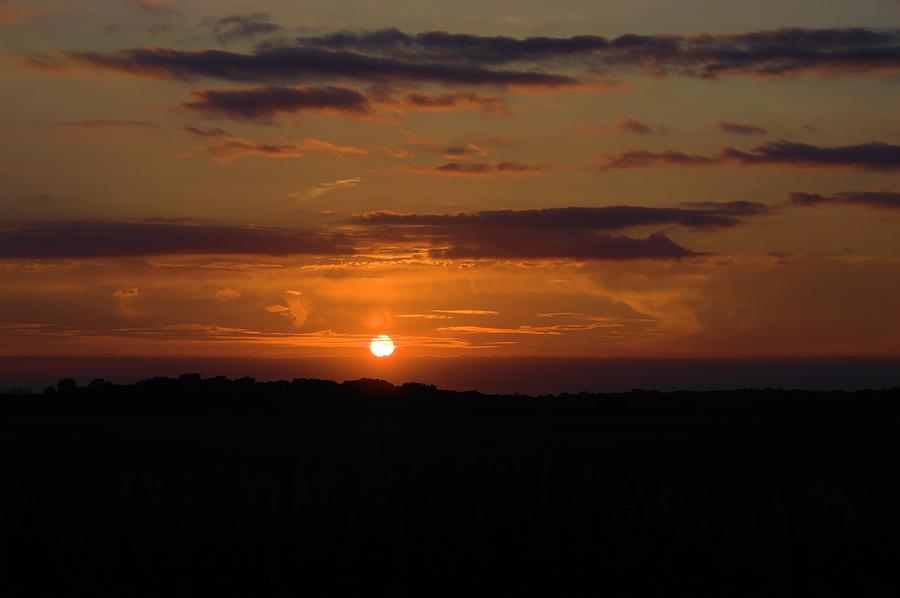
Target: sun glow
[[381, 346]]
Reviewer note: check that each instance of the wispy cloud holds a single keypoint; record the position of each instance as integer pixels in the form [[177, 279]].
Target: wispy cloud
[[243, 26], [323, 188]]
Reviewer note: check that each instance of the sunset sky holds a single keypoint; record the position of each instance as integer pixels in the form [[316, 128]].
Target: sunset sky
[[604, 178]]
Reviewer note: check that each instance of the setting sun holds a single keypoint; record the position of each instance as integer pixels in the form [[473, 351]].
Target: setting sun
[[381, 346]]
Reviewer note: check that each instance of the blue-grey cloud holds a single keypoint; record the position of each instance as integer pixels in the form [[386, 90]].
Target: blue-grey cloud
[[302, 65], [774, 53]]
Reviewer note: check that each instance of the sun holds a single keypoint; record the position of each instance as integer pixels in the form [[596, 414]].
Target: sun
[[381, 346]]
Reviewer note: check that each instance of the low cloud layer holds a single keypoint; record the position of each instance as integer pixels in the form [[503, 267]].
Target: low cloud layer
[[65, 240], [574, 233]]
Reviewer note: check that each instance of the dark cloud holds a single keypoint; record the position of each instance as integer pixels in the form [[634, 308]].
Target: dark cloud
[[527, 234], [578, 247], [737, 209], [740, 129], [303, 64], [443, 46], [200, 132], [61, 240], [236, 27], [765, 53], [867, 156], [266, 102], [700, 215], [574, 233], [880, 200]]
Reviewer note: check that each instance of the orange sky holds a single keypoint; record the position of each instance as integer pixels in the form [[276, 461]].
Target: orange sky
[[200, 179]]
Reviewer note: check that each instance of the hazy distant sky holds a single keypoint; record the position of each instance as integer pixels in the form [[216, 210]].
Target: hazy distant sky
[[526, 178]]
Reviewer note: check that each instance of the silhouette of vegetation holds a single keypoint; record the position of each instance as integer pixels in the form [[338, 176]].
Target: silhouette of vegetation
[[218, 487]]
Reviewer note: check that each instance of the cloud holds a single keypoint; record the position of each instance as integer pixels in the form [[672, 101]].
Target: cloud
[[699, 215], [447, 102], [621, 125], [126, 293], [200, 132], [324, 188], [574, 233], [634, 159], [740, 129], [775, 53], [262, 103], [237, 148], [102, 124], [874, 156], [477, 169], [98, 239], [303, 65], [464, 152], [295, 310], [866, 156], [245, 26], [632, 125], [879, 200]]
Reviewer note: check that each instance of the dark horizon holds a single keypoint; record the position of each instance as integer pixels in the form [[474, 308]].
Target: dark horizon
[[500, 375]]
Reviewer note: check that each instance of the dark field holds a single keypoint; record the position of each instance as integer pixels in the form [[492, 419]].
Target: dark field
[[217, 488]]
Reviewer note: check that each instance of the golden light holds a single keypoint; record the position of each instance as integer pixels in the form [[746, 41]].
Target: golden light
[[381, 346]]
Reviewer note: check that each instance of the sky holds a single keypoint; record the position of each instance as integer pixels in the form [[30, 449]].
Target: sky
[[577, 179]]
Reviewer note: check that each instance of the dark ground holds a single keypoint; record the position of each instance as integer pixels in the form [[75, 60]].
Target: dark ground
[[220, 488]]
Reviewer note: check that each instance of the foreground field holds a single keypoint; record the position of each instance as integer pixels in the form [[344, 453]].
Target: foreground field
[[233, 488]]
